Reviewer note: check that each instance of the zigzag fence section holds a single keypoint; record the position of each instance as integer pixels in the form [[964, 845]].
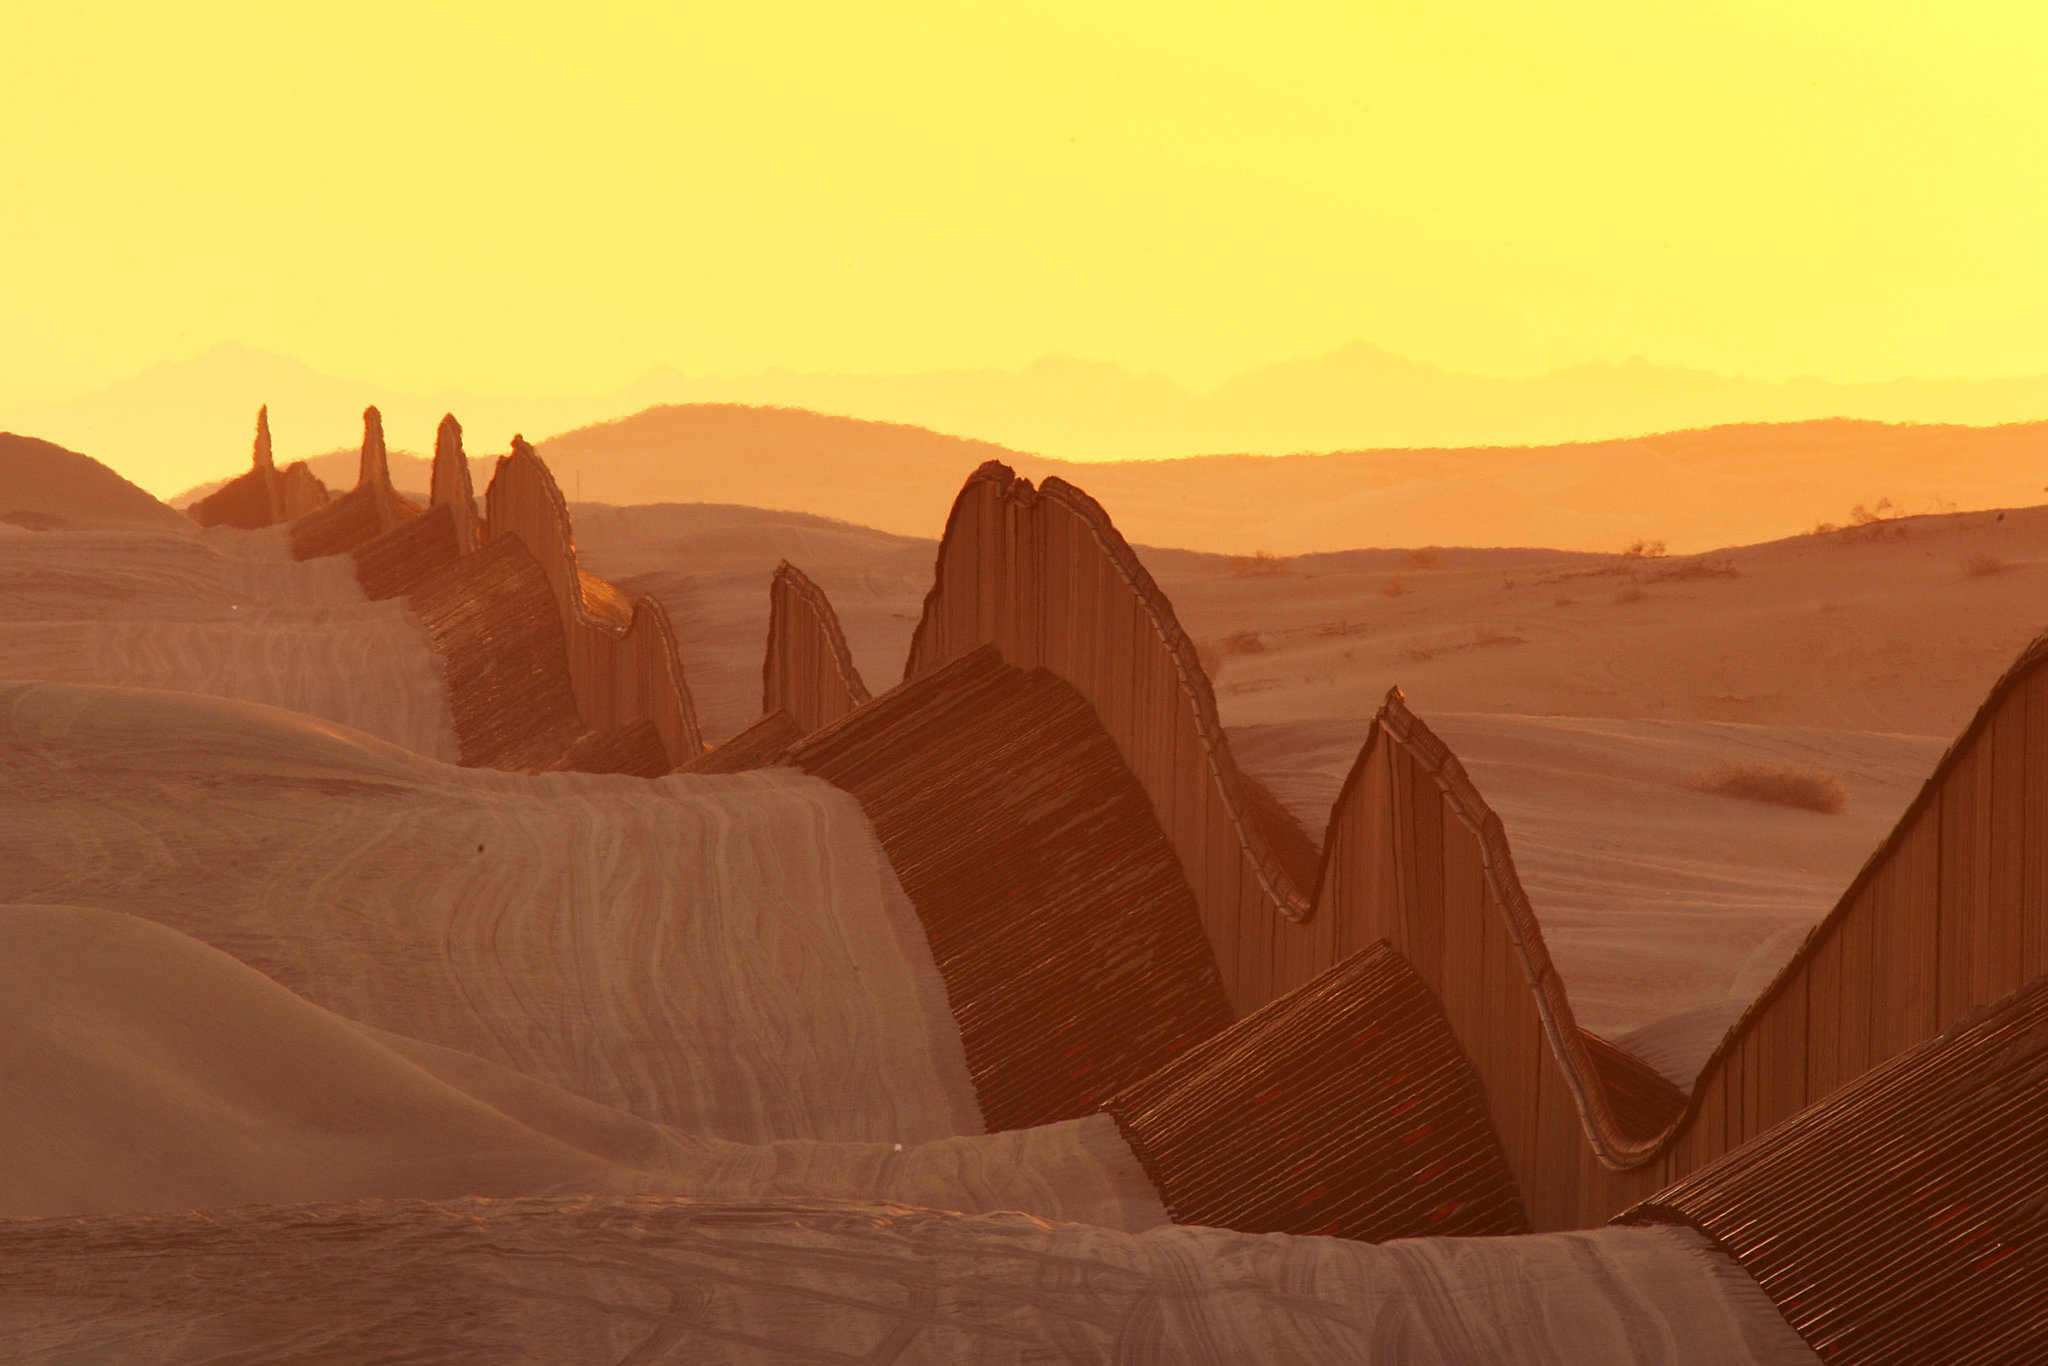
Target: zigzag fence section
[[550, 667], [623, 663], [1904, 1219], [1947, 915], [808, 679], [547, 665], [1043, 575], [369, 510], [807, 671], [1056, 911], [1344, 1108], [264, 495], [807, 676]]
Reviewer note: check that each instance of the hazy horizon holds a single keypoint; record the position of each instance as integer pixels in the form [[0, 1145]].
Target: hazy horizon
[[185, 422]]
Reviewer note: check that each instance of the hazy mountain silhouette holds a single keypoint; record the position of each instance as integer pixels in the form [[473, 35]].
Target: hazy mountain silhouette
[[188, 420]]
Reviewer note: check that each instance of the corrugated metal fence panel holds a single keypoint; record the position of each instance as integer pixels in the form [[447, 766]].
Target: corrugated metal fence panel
[[449, 484], [1904, 1219], [623, 663], [257, 498], [807, 672], [493, 620], [401, 559], [1066, 935], [362, 514], [1944, 914], [248, 501], [301, 491], [1043, 573], [337, 527], [1343, 1108]]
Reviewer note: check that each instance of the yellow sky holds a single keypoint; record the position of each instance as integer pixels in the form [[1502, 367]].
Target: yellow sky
[[550, 199]]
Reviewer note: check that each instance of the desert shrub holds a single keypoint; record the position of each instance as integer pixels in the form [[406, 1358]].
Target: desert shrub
[[1977, 566], [1395, 586], [1423, 559], [1877, 522], [1644, 550], [1258, 565], [1630, 594], [1244, 643], [1802, 786]]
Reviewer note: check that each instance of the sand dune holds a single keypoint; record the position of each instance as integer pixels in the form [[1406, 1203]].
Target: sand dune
[[45, 487], [619, 1280], [713, 988], [228, 613], [731, 956], [147, 1071], [1899, 628]]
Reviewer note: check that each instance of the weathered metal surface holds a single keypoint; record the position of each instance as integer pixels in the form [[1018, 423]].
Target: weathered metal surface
[[494, 623], [807, 672], [1055, 909], [1949, 913], [367, 511], [401, 559], [623, 662], [1903, 1219], [1343, 1108]]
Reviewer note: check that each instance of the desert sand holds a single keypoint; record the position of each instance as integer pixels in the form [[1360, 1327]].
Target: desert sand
[[267, 945], [43, 486], [256, 958], [228, 613], [552, 924], [150, 1071], [619, 1280]]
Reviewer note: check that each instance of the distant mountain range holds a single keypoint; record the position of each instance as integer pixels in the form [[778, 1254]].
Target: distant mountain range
[[188, 421], [1693, 490]]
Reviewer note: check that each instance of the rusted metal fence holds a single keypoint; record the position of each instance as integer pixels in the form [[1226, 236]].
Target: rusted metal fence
[[1054, 906], [1343, 1108], [1904, 1219], [1951, 912], [807, 671]]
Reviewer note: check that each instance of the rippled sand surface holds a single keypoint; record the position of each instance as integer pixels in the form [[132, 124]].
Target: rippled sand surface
[[732, 956], [227, 613], [569, 1067], [638, 1281]]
